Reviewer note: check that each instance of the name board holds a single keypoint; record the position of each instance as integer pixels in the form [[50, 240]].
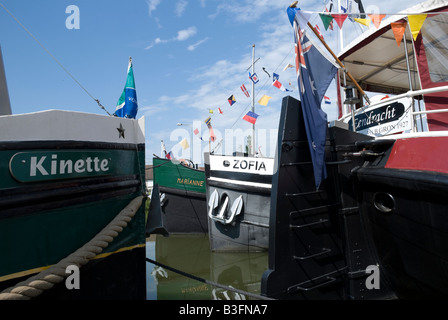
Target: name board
[[384, 119], [53, 165], [263, 166]]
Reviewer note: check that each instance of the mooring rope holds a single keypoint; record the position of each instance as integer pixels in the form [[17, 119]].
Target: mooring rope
[[215, 284], [45, 280]]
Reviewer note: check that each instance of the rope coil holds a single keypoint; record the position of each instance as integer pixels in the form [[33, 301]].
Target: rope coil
[[34, 286]]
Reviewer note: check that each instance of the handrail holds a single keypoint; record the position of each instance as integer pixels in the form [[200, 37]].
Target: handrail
[[408, 94]]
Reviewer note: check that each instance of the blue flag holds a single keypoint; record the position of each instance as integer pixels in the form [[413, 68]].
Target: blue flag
[[127, 106], [314, 74]]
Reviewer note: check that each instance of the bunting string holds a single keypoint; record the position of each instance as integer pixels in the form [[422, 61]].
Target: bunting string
[[415, 21]]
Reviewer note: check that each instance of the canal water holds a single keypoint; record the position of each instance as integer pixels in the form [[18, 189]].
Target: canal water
[[191, 254]]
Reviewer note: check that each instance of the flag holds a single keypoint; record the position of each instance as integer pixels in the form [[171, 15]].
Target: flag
[[277, 84], [196, 131], [210, 110], [212, 134], [314, 74], [208, 122], [127, 106], [184, 144], [231, 100], [316, 27], [416, 23], [327, 100], [365, 22], [376, 19], [398, 28], [340, 18], [253, 77], [327, 20], [251, 117], [243, 88], [163, 147], [275, 77], [264, 100], [169, 156], [220, 111], [287, 67]]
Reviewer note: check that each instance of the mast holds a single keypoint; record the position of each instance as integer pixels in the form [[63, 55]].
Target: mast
[[253, 100], [5, 105], [341, 35]]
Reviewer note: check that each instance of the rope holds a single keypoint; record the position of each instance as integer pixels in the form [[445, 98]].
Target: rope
[[45, 280], [215, 284]]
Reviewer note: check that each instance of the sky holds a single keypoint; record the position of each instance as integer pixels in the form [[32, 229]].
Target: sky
[[189, 56]]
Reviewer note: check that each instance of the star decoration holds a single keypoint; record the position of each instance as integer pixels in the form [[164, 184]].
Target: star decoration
[[312, 85], [121, 131]]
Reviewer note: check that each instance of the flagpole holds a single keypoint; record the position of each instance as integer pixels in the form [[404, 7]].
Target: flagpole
[[253, 100], [293, 5]]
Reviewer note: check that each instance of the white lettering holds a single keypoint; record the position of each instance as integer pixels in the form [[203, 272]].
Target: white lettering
[[196, 310], [72, 281], [54, 158], [95, 161], [37, 165], [66, 164], [89, 164], [104, 165], [72, 21], [373, 281], [79, 166]]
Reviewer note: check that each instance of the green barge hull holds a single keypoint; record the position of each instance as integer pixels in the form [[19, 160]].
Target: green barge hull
[[183, 195], [58, 191]]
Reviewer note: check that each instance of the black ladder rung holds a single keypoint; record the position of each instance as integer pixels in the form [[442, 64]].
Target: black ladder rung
[[302, 193], [350, 210], [333, 163], [296, 163], [357, 274], [320, 221], [316, 282], [319, 209], [324, 251], [326, 281]]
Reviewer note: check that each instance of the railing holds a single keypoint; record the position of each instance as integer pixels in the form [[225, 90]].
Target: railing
[[409, 94]]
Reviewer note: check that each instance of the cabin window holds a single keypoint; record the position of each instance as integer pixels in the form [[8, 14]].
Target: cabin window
[[435, 42]]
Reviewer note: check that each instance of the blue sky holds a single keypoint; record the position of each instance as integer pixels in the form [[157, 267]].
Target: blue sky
[[188, 57]]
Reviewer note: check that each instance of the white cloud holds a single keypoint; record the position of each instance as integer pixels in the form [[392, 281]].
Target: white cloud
[[182, 35], [152, 5], [180, 7], [195, 45]]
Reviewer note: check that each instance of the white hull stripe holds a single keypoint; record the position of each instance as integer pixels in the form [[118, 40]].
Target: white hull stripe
[[242, 183]]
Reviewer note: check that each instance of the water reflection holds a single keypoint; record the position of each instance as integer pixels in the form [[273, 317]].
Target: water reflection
[[191, 254]]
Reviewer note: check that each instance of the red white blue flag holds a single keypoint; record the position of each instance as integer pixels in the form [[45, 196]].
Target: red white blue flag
[[314, 74], [253, 77], [278, 84]]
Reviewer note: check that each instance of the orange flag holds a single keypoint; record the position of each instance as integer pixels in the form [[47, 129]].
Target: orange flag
[[398, 28], [376, 19], [416, 23]]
